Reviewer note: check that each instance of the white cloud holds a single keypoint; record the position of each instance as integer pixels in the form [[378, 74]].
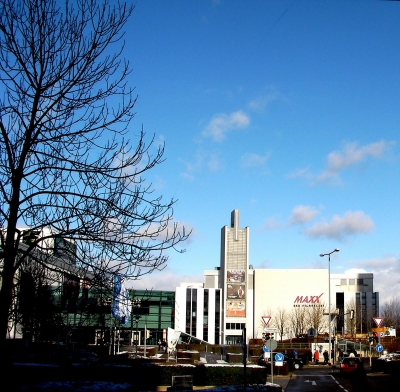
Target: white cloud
[[353, 154], [301, 173], [386, 272], [163, 231], [340, 227], [302, 214], [253, 160], [211, 161], [260, 104], [350, 155], [167, 279], [272, 223], [214, 162], [222, 123]]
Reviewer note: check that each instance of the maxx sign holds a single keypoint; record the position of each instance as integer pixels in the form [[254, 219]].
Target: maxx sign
[[308, 300]]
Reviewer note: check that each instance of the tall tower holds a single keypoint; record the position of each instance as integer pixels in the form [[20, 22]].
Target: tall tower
[[234, 279]]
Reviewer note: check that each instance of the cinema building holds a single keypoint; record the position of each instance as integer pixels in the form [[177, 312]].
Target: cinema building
[[234, 296]]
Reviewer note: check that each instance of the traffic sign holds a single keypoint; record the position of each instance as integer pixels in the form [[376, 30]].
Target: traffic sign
[[271, 344], [379, 348], [266, 319], [295, 353], [265, 349], [378, 321], [279, 357], [384, 329], [270, 330], [311, 332]]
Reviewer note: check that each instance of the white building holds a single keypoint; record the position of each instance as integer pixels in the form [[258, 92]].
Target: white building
[[236, 296]]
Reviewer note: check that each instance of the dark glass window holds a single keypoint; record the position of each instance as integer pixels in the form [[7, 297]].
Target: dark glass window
[[205, 321], [188, 310], [217, 336], [194, 312]]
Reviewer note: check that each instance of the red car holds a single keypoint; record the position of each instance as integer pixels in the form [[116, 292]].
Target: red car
[[350, 365]]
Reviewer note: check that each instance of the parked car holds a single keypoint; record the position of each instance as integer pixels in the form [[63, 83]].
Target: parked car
[[350, 365], [294, 363]]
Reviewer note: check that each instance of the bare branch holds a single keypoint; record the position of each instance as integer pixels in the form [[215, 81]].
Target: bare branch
[[66, 162]]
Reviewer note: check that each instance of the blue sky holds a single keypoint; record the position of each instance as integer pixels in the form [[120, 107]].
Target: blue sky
[[286, 110]]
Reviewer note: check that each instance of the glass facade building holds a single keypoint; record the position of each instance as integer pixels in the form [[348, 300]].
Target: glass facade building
[[156, 314]]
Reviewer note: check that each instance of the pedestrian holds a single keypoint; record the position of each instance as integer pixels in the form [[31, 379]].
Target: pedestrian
[[340, 355], [316, 357], [326, 357], [159, 344], [164, 344]]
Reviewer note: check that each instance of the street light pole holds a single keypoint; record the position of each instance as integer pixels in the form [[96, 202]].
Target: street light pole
[[136, 303], [329, 300], [137, 332]]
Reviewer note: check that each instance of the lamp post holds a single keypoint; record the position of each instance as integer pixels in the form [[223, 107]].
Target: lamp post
[[137, 331], [136, 303], [329, 299]]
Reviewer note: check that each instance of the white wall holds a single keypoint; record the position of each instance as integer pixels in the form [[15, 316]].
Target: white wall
[[280, 288]]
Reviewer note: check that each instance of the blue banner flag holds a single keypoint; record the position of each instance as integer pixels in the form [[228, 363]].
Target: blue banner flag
[[116, 296], [121, 301]]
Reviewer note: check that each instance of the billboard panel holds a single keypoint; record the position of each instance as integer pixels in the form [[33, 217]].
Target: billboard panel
[[236, 276], [236, 291], [235, 308]]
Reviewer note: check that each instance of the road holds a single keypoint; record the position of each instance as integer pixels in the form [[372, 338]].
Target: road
[[315, 383], [319, 380]]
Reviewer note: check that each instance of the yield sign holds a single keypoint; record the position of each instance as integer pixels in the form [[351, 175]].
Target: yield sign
[[266, 320], [378, 321]]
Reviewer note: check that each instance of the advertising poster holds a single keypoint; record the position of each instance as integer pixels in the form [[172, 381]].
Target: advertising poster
[[235, 308], [236, 276], [236, 291]]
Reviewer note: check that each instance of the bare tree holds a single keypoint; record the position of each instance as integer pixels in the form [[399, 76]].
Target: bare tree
[[65, 160], [350, 324], [281, 320], [391, 313], [316, 318], [298, 321]]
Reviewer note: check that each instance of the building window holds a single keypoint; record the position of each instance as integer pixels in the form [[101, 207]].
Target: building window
[[343, 282], [340, 307], [205, 324], [352, 282], [217, 335], [188, 311], [360, 282], [194, 312]]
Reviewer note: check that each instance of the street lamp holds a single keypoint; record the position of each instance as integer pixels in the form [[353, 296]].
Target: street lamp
[[136, 303], [329, 298]]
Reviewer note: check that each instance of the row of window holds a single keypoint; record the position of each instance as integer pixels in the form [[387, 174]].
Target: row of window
[[352, 282], [235, 326], [191, 317]]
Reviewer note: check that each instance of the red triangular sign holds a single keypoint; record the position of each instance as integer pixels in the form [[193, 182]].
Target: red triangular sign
[[378, 321], [266, 320]]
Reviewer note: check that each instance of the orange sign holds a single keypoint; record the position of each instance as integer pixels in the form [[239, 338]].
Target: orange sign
[[378, 329]]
